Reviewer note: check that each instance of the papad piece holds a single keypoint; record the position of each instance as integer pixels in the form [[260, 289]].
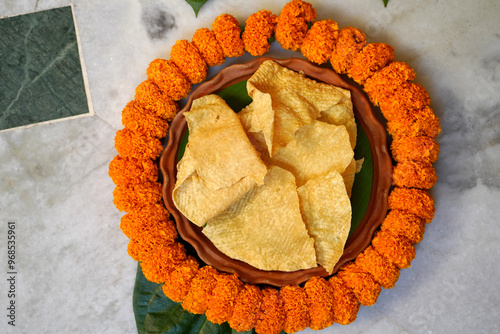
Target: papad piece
[[342, 114], [326, 210], [265, 228], [287, 98], [219, 165], [316, 150]]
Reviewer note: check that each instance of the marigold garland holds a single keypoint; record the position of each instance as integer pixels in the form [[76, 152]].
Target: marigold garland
[[223, 297], [259, 28]]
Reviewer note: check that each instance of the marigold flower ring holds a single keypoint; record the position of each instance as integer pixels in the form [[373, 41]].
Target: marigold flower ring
[[363, 234], [223, 296]]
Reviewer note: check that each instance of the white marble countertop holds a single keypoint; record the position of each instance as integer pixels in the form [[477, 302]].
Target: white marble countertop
[[74, 274]]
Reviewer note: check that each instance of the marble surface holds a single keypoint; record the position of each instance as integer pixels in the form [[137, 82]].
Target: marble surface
[[73, 271]]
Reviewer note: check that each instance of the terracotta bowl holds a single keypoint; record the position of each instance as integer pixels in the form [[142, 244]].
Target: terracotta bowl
[[358, 240]]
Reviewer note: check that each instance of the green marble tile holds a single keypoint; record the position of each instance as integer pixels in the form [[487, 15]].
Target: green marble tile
[[40, 72]]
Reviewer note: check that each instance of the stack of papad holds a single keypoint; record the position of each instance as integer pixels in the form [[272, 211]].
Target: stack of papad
[[219, 165], [302, 134], [265, 229]]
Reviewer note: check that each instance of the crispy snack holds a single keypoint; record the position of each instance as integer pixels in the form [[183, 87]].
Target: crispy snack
[[285, 101], [315, 150], [219, 165], [278, 242], [326, 210], [342, 114]]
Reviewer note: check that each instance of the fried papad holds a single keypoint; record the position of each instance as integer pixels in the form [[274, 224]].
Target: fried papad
[[326, 210], [284, 101], [265, 228], [219, 165]]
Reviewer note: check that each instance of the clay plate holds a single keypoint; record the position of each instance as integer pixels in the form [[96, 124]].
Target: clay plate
[[359, 239]]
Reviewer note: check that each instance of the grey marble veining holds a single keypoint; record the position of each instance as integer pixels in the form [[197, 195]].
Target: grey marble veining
[[74, 271]]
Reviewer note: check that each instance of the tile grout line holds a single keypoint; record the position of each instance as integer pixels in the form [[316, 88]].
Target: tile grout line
[[82, 64]]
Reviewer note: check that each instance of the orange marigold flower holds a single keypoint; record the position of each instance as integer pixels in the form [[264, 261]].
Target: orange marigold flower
[[142, 248], [291, 24], [361, 282], [419, 122], [372, 58], [258, 30], [295, 306], [130, 144], [424, 149], [396, 248], [345, 304], [403, 223], [162, 261], [414, 201], [178, 281], [202, 284], [140, 251], [414, 174], [132, 171], [384, 82], [320, 302], [221, 301], [169, 78], [134, 196], [138, 119], [211, 51], [227, 31], [189, 60], [350, 42], [271, 314], [382, 270], [320, 40], [151, 97], [406, 98], [149, 220], [246, 308]]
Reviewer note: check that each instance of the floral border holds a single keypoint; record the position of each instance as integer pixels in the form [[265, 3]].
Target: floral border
[[223, 297]]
